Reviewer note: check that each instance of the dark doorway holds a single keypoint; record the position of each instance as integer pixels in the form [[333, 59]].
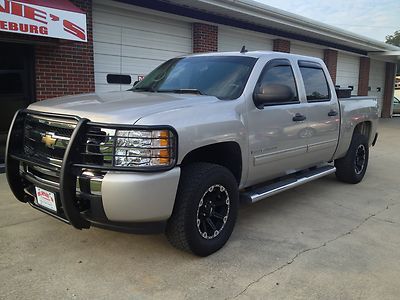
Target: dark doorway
[[16, 85]]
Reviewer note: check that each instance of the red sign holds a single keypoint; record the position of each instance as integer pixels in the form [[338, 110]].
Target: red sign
[[57, 19]]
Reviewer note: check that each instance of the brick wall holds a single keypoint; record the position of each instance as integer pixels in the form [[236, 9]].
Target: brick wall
[[389, 90], [330, 59], [66, 67], [363, 77], [205, 38], [61, 67], [281, 45]]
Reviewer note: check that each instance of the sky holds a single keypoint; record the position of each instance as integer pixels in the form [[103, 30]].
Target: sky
[[371, 18]]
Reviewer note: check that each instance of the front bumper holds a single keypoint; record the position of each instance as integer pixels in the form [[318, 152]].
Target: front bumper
[[134, 202]]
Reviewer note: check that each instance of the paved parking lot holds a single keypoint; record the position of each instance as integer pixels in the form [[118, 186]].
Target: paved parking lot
[[324, 240]]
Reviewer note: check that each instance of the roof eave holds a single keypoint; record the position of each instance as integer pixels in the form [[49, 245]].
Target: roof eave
[[252, 9]]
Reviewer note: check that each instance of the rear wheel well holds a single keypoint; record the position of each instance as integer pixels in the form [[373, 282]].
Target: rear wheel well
[[363, 128], [226, 154]]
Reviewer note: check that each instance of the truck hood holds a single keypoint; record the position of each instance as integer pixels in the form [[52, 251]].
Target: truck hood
[[120, 107]]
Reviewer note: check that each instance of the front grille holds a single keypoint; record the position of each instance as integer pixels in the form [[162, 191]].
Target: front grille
[[46, 139]]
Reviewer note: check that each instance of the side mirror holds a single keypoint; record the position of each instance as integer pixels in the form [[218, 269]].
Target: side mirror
[[136, 82], [269, 94]]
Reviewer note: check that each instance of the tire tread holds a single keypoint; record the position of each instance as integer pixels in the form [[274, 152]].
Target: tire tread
[[191, 177]]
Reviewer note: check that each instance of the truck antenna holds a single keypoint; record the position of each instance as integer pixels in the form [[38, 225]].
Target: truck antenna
[[244, 50]]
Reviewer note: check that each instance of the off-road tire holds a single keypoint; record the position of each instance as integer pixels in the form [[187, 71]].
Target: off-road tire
[[347, 169], [196, 180]]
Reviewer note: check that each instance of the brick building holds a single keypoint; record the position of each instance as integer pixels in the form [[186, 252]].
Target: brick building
[[45, 52]]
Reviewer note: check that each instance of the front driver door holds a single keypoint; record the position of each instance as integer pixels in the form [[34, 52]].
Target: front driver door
[[278, 132]]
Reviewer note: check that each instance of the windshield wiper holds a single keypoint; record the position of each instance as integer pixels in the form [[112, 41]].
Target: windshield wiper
[[182, 91]]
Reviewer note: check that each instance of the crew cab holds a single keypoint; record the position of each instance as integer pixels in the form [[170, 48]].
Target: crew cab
[[178, 151]]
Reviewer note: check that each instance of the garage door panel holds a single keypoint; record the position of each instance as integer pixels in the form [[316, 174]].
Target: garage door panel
[[104, 88], [139, 66], [107, 48], [107, 33], [129, 42], [152, 40], [348, 67], [232, 39], [107, 63], [377, 78], [146, 24], [147, 53], [348, 75], [306, 50]]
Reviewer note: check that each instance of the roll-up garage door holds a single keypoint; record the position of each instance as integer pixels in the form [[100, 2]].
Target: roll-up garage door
[[306, 50], [232, 39], [132, 43], [348, 68], [377, 80]]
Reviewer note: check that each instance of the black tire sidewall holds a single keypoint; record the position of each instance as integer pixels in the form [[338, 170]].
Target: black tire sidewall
[[198, 244], [359, 140], [346, 166]]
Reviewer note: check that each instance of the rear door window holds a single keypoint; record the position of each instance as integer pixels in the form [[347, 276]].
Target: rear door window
[[315, 83]]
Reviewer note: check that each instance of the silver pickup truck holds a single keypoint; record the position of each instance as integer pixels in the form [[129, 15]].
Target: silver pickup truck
[[181, 149]]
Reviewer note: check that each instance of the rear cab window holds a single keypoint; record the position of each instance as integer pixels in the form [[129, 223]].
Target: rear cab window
[[315, 82]]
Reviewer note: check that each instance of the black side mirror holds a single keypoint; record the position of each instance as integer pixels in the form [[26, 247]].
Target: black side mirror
[[136, 82], [272, 94]]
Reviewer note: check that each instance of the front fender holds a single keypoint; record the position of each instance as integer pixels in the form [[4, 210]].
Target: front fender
[[199, 126]]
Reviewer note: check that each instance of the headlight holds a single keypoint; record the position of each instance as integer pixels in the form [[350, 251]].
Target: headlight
[[142, 148]]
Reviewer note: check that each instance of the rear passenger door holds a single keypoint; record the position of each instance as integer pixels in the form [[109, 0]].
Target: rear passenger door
[[323, 111]]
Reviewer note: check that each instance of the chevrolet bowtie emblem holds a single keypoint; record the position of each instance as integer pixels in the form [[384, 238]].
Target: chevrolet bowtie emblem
[[49, 140]]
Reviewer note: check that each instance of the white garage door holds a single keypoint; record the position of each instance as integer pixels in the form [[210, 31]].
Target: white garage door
[[132, 43], [306, 50], [232, 39], [377, 75], [348, 69]]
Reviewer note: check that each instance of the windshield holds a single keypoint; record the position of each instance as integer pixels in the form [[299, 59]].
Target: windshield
[[221, 76]]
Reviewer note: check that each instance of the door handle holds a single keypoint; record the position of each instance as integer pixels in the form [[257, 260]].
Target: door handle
[[332, 113], [299, 117]]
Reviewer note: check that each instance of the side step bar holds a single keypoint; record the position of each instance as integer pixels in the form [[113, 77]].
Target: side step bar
[[260, 193]]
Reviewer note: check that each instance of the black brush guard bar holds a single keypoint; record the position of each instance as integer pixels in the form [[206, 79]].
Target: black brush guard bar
[[67, 190]]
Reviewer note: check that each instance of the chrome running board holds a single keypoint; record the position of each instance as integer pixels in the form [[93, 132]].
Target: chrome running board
[[260, 193]]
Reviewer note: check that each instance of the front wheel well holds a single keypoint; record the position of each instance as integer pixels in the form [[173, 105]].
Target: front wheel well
[[226, 154]]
